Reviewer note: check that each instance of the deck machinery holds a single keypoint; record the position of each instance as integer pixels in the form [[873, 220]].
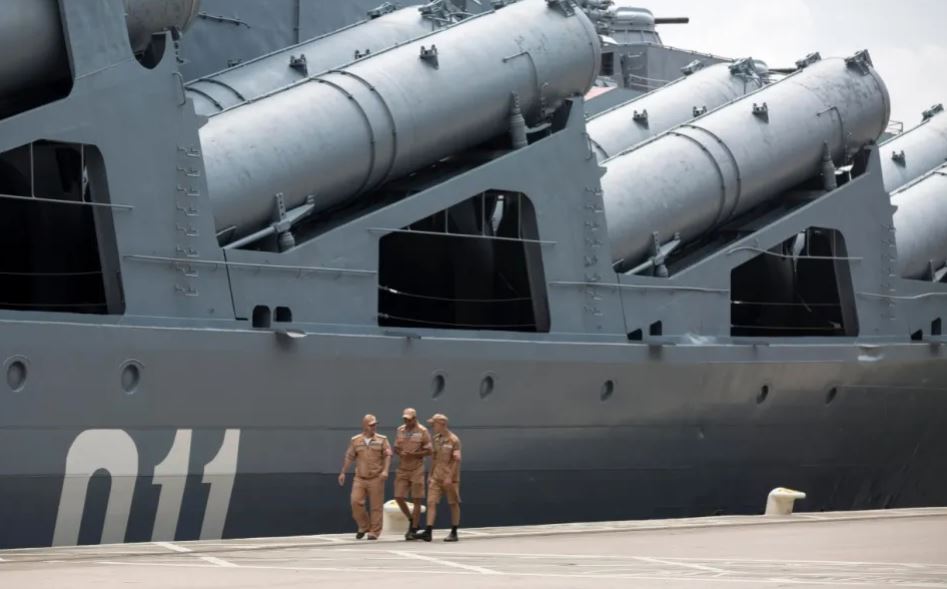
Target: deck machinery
[[719, 287]]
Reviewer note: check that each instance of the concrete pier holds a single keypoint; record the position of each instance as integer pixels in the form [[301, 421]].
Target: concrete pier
[[897, 548]]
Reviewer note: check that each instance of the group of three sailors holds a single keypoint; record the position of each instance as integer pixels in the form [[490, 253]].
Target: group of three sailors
[[371, 453]]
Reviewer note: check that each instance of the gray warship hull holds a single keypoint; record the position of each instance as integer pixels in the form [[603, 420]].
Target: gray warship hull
[[186, 341], [688, 430]]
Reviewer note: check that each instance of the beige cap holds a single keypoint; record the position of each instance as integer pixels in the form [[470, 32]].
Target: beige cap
[[409, 413], [369, 420], [438, 417]]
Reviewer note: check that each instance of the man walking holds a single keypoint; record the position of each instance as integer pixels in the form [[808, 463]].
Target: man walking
[[412, 444], [371, 454], [444, 479]]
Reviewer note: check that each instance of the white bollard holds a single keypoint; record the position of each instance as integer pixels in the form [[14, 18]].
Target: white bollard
[[394, 521], [780, 501]]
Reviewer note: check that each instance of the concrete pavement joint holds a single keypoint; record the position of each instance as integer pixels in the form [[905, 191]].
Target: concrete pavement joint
[[698, 567], [172, 547], [443, 562], [218, 561]]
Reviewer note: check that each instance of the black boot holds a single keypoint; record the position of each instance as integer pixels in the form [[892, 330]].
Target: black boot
[[426, 535], [411, 535], [452, 537], [359, 535]]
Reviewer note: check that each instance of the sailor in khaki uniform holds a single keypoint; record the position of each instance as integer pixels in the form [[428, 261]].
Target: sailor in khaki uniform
[[412, 444], [444, 479], [371, 454]]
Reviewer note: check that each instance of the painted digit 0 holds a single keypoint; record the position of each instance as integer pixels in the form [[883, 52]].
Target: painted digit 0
[[97, 449]]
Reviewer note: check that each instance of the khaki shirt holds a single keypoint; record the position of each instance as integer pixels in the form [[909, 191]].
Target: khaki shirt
[[446, 457], [412, 440], [369, 455]]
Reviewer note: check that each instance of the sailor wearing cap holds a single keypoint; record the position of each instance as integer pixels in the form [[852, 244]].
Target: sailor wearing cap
[[371, 454], [444, 479], [412, 444]]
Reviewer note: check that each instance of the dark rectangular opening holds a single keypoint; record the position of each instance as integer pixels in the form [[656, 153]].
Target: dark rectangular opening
[[475, 265], [802, 287], [262, 317], [608, 64], [57, 235]]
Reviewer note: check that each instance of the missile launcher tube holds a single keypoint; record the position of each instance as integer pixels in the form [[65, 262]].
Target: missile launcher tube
[[260, 76], [919, 225], [32, 51], [699, 175], [32, 45], [147, 17], [344, 132], [915, 152], [630, 123]]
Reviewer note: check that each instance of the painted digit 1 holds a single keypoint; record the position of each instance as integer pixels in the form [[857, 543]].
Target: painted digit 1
[[219, 473], [171, 476]]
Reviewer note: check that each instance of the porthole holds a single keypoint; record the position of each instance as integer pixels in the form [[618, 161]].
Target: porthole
[[487, 385], [764, 393], [608, 389], [438, 384], [131, 377], [17, 373]]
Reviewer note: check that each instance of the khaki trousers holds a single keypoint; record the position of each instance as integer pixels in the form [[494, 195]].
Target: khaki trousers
[[374, 491]]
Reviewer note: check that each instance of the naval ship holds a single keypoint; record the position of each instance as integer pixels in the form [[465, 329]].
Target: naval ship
[[641, 281]]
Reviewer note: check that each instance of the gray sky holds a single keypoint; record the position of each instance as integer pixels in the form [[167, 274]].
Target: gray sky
[[907, 39]]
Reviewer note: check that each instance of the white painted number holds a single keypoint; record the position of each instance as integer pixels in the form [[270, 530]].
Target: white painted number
[[93, 450], [115, 452], [171, 475], [219, 474]]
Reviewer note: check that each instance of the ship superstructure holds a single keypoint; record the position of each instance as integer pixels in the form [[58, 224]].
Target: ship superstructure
[[722, 285]]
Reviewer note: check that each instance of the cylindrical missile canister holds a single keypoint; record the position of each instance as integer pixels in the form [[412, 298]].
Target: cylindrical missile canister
[[699, 175], [344, 132]]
